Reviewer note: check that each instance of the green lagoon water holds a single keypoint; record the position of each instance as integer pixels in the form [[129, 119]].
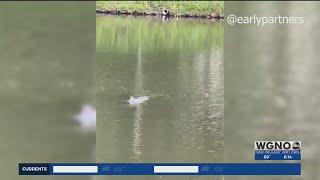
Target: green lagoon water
[[179, 64]]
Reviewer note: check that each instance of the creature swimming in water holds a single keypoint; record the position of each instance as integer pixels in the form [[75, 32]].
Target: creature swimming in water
[[87, 118], [138, 100]]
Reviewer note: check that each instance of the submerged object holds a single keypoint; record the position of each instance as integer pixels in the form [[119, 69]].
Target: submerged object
[[87, 117], [138, 100]]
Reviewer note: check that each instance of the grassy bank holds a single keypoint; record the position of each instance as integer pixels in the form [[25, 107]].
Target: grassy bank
[[176, 7]]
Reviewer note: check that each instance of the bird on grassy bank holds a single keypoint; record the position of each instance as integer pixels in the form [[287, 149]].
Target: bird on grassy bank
[[215, 15], [165, 12]]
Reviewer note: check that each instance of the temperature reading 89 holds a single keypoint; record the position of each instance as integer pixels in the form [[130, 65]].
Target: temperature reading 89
[[266, 157]]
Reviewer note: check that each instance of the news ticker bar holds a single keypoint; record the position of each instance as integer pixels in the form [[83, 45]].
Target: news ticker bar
[[159, 169]]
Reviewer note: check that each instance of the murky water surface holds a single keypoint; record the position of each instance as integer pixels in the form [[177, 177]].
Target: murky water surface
[[179, 65]]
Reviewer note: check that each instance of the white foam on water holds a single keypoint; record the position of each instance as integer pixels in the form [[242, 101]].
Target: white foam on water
[[138, 100]]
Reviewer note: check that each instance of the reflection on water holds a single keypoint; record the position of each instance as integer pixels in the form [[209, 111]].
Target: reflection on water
[[137, 122], [271, 84], [179, 65], [46, 74]]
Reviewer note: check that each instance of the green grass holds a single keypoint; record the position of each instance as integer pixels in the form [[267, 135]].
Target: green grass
[[177, 7]]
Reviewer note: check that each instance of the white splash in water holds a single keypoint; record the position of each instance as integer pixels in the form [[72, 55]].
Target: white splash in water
[[138, 100], [87, 118]]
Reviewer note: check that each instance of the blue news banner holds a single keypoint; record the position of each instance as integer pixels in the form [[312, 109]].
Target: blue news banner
[[277, 155], [159, 169]]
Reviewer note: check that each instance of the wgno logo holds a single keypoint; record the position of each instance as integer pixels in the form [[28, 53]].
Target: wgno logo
[[277, 145]]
